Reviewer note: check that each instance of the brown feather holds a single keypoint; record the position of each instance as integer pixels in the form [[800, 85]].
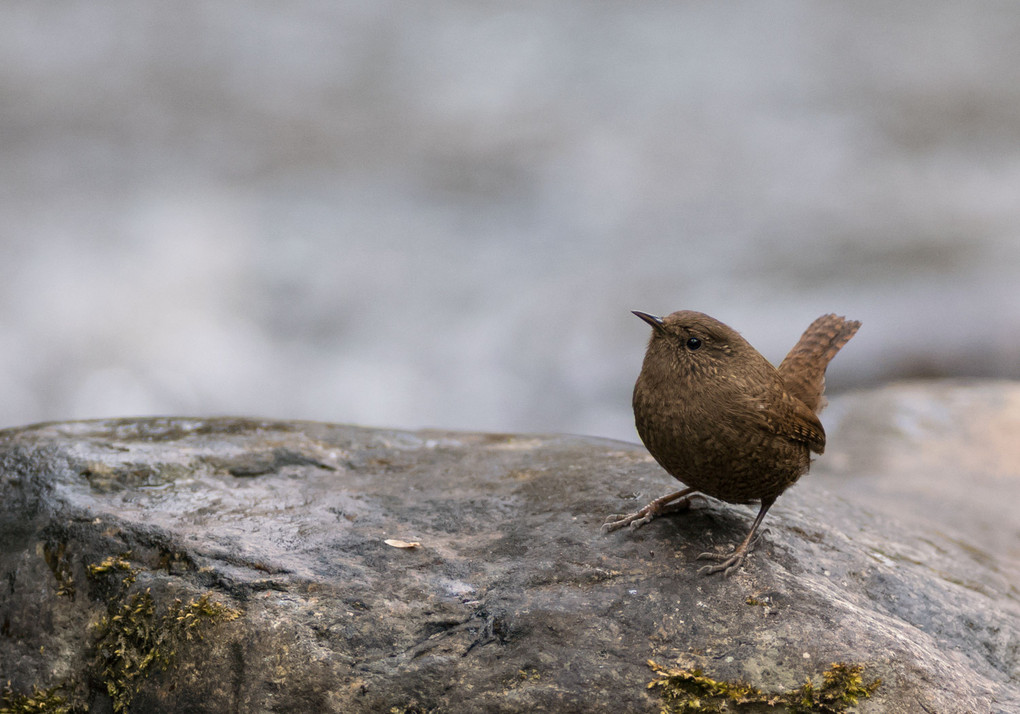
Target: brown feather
[[803, 369]]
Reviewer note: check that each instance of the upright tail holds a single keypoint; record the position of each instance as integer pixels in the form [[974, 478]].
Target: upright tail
[[803, 369]]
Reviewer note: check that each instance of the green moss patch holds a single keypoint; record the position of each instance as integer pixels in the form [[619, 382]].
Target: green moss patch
[[133, 639], [685, 691], [38, 702], [113, 564]]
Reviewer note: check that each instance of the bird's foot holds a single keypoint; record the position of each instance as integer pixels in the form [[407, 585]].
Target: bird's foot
[[729, 563], [658, 507], [616, 521]]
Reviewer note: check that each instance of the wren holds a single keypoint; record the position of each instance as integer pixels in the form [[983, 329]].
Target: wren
[[715, 414]]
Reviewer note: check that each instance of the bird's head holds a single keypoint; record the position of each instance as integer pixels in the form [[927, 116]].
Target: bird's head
[[687, 342]]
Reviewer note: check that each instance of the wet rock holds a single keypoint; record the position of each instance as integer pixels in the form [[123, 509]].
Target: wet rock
[[239, 565]]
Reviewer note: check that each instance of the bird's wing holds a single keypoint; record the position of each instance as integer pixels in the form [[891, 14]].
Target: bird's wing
[[789, 418], [800, 423]]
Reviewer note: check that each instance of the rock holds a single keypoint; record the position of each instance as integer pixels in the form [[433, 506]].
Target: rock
[[214, 565], [942, 456]]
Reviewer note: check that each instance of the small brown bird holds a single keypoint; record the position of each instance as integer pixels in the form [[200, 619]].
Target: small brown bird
[[720, 418]]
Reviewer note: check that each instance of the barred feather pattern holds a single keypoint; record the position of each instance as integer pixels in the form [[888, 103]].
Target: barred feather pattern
[[803, 369]]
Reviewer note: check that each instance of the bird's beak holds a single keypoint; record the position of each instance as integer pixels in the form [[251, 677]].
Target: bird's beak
[[652, 320]]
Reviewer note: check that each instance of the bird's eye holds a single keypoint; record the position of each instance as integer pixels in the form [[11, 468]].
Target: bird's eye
[[693, 343]]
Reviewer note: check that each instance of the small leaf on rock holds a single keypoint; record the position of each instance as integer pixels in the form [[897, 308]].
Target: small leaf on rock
[[402, 543]]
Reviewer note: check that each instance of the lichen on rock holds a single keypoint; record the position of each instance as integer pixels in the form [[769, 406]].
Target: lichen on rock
[[690, 691]]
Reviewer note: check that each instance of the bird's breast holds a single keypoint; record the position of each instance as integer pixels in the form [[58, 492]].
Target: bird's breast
[[715, 444]]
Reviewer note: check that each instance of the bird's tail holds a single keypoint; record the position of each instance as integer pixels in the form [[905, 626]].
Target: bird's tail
[[803, 369]]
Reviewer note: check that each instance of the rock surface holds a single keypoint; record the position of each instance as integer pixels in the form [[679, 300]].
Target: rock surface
[[233, 565]]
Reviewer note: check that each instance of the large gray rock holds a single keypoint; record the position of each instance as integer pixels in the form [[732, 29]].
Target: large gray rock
[[237, 565]]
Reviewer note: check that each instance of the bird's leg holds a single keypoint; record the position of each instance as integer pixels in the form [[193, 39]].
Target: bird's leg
[[730, 562], [658, 507]]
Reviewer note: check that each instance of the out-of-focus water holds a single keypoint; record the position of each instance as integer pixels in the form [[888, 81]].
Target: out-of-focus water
[[441, 214]]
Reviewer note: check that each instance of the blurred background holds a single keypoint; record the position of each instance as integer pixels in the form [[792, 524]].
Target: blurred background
[[441, 214]]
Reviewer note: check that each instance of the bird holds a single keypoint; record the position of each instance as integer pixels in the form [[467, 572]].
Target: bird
[[721, 419]]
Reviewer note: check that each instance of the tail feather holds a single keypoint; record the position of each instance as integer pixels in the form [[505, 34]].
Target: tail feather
[[803, 369]]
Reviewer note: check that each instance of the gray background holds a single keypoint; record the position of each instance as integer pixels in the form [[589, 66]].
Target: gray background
[[440, 214]]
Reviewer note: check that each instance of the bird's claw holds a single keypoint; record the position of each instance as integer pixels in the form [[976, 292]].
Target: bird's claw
[[617, 521], [653, 510], [637, 523], [727, 563]]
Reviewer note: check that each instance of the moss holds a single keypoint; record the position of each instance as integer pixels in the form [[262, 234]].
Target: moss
[[56, 558], [528, 675], [132, 640], [842, 686], [684, 691], [40, 701], [113, 564], [522, 677]]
